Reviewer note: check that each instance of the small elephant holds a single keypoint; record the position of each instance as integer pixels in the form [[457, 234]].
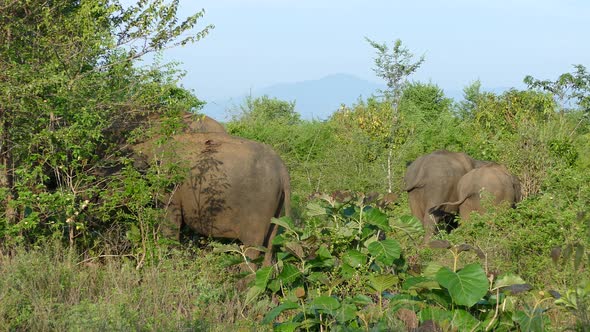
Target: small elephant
[[431, 180], [492, 178]]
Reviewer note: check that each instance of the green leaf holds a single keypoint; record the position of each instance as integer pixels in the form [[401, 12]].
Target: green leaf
[[253, 293], [410, 225], [347, 312], [314, 209], [508, 280], [262, 277], [289, 274], [380, 283], [431, 270], [287, 326], [464, 321], [284, 222], [361, 299], [467, 286], [272, 315], [531, 321], [435, 314], [325, 303], [386, 251], [420, 283], [354, 258], [377, 218]]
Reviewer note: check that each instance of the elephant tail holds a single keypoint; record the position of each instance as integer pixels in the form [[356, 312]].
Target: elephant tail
[[443, 208]]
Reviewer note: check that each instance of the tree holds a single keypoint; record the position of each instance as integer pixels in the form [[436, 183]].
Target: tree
[[70, 95], [266, 109], [568, 87], [394, 67]]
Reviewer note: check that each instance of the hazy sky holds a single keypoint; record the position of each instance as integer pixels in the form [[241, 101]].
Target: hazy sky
[[257, 43]]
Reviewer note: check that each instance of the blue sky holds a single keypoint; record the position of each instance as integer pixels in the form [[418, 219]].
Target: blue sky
[[257, 43]]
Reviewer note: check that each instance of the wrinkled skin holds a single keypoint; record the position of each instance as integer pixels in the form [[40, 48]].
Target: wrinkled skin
[[431, 180], [492, 178], [233, 188]]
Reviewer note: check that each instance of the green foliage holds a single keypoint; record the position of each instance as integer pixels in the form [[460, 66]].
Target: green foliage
[[70, 98], [394, 67], [266, 109], [339, 272], [568, 88]]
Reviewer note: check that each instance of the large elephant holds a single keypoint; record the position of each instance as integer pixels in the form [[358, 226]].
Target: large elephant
[[492, 178], [431, 180], [188, 123], [233, 188], [202, 124]]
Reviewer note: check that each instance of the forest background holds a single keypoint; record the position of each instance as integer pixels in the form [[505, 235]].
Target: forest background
[[80, 247]]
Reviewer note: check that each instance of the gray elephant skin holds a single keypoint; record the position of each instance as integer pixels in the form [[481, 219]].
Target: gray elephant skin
[[491, 178], [431, 180], [233, 188]]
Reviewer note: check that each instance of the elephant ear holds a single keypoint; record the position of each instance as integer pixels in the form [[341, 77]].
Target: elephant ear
[[414, 175]]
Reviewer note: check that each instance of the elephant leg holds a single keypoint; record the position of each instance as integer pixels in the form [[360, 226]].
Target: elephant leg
[[272, 232], [470, 205], [172, 225], [429, 224]]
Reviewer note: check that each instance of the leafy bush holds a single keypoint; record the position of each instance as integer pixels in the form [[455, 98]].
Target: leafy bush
[[340, 271]]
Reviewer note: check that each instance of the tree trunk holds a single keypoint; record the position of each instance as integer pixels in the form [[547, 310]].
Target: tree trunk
[[389, 172]]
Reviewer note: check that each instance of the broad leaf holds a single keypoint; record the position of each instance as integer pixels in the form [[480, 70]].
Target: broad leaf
[[531, 321], [508, 280], [271, 315], [377, 218], [382, 282], [289, 274], [262, 277], [347, 312], [314, 209], [362, 299], [410, 225], [284, 222], [386, 251], [325, 303], [253, 293], [464, 321], [420, 283], [467, 286], [287, 327], [354, 258]]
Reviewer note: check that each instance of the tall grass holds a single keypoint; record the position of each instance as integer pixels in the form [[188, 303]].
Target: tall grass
[[50, 289]]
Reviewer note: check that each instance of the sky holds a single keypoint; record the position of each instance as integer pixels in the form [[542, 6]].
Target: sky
[[258, 43]]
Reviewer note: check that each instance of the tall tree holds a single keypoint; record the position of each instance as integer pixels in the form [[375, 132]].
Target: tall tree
[[69, 85], [569, 89], [394, 66]]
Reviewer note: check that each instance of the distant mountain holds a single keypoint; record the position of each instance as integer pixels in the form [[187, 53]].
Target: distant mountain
[[314, 99]]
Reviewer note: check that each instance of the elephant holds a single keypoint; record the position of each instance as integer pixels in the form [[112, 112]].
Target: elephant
[[431, 180], [190, 123], [492, 178], [232, 189], [202, 124]]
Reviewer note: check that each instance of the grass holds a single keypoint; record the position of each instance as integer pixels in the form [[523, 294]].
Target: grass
[[48, 289]]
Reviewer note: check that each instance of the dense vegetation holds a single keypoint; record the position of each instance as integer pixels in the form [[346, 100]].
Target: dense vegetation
[[80, 246]]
